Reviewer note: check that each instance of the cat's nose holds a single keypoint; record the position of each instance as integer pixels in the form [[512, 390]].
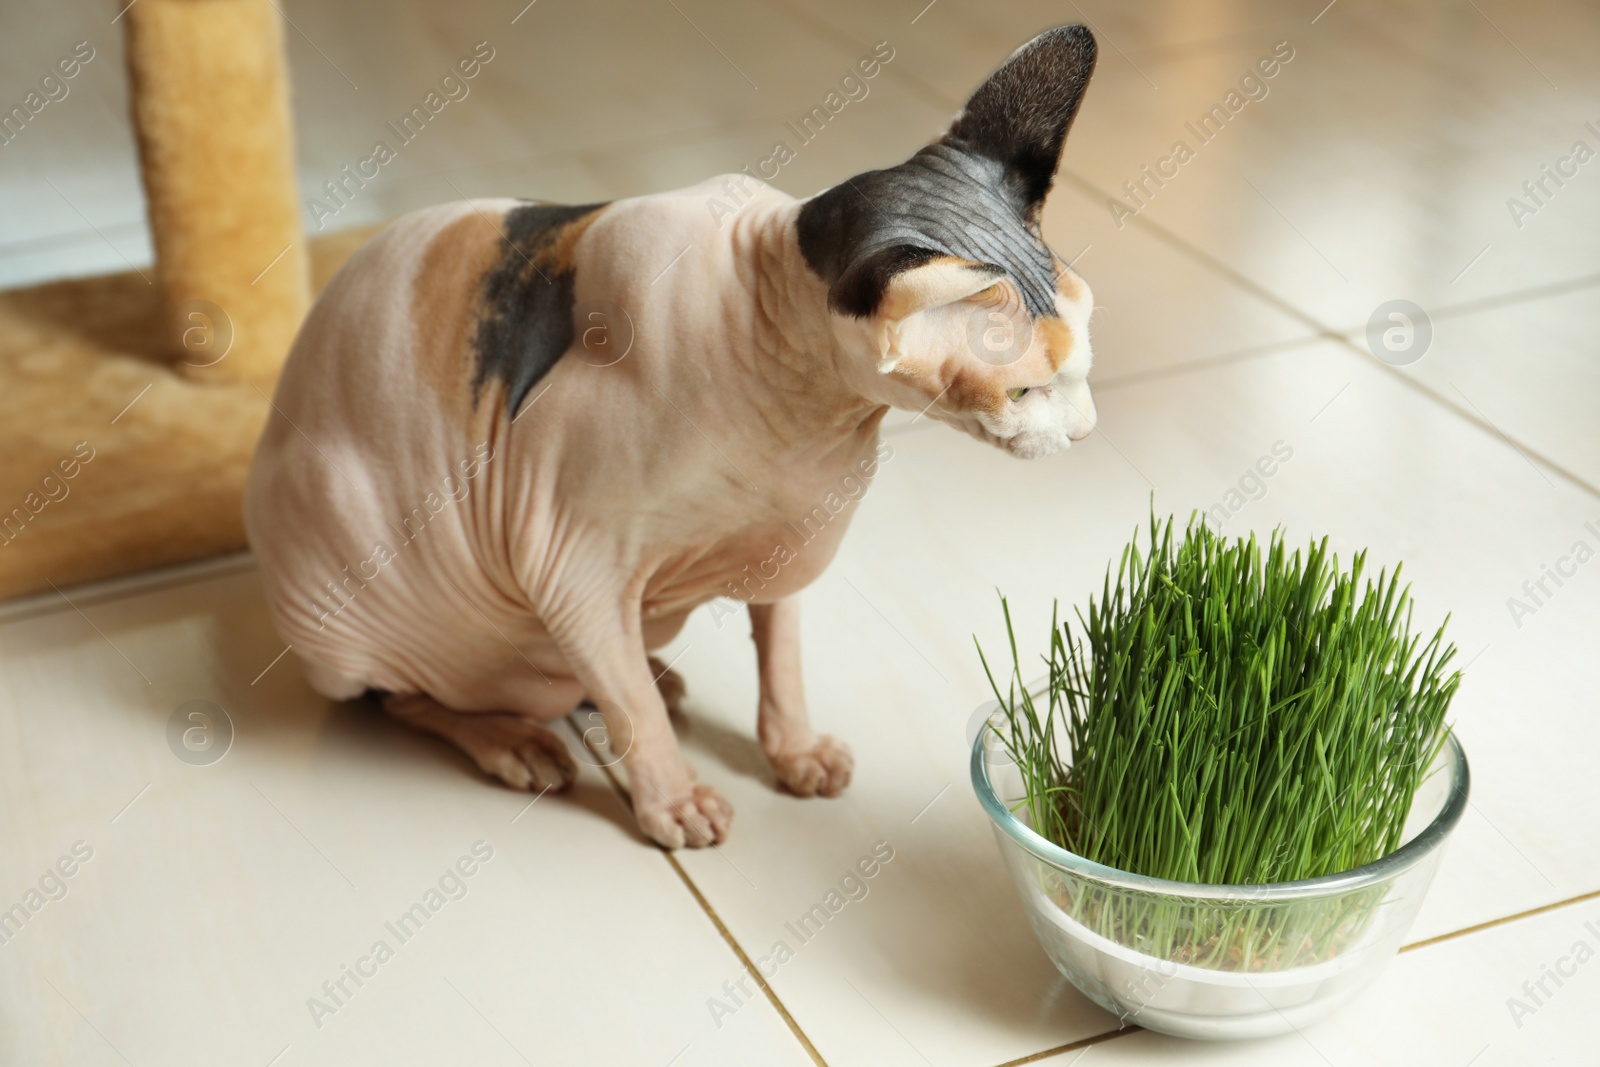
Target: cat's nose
[[1082, 418]]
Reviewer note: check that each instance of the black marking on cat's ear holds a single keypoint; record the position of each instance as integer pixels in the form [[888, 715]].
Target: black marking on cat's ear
[[525, 316], [943, 201], [1021, 115], [860, 289], [975, 194]]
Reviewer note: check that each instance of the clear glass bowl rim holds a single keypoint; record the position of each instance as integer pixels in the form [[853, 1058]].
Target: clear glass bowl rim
[[1379, 870]]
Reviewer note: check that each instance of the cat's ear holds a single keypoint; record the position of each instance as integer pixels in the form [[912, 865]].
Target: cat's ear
[[900, 280], [937, 281], [1021, 115]]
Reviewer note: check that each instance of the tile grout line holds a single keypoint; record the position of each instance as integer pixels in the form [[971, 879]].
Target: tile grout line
[[1206, 260], [716, 921], [1452, 935], [1083, 1043], [1495, 301], [1216, 266], [1517, 444], [1326, 332], [744, 959], [61, 240], [1490, 924], [1425, 943], [156, 579], [1204, 363]]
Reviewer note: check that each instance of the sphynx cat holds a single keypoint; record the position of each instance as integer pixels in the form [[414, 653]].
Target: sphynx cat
[[517, 443]]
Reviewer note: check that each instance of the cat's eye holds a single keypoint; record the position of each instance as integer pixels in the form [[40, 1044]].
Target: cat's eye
[[1018, 394]]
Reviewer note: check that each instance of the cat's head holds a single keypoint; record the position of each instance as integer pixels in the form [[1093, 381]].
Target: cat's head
[[942, 294]]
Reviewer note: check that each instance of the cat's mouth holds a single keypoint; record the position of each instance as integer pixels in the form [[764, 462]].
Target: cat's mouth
[[1036, 444], [1024, 444]]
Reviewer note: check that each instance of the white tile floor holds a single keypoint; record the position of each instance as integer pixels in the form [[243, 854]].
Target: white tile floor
[[219, 898]]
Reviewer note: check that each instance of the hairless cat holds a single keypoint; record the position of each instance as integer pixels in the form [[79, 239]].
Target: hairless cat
[[517, 443]]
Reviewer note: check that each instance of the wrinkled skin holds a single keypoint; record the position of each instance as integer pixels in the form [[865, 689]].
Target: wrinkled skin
[[490, 540]]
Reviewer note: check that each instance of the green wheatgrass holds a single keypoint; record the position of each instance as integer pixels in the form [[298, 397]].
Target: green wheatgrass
[[1230, 715]]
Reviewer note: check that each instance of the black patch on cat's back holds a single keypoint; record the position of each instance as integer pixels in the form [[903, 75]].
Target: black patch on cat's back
[[525, 302]]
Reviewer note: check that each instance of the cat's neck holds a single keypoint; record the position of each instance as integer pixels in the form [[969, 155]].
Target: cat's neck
[[797, 377]]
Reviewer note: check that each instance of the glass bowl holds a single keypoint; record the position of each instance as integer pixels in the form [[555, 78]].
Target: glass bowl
[[1219, 962]]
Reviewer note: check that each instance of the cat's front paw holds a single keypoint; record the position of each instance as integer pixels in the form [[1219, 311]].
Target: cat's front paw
[[695, 817], [821, 770]]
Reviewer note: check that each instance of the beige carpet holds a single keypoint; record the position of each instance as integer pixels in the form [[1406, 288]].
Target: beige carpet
[[111, 461]]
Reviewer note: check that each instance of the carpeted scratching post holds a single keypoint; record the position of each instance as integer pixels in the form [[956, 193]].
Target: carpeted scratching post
[[129, 410], [211, 109]]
